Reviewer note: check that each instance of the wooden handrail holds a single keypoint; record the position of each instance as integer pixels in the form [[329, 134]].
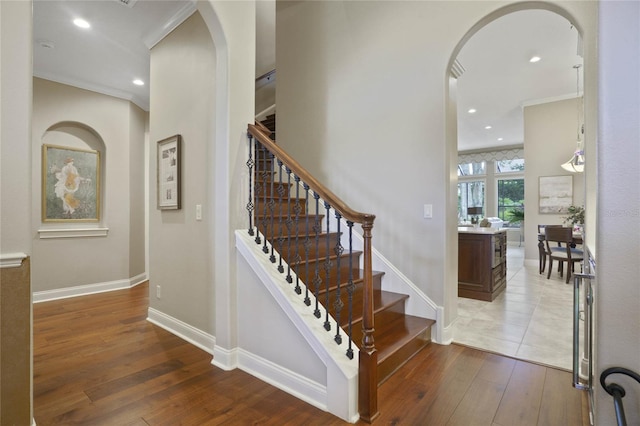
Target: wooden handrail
[[264, 128], [334, 201]]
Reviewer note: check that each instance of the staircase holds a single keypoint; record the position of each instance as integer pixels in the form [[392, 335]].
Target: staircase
[[306, 249]]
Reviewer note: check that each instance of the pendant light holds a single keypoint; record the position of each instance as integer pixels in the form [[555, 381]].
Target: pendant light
[[576, 162]]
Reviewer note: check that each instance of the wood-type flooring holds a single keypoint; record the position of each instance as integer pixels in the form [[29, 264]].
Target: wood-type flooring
[[97, 361]]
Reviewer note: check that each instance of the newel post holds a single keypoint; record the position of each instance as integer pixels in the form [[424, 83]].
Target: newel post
[[368, 362]]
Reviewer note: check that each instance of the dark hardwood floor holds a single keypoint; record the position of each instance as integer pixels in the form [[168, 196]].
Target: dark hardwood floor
[[97, 361]]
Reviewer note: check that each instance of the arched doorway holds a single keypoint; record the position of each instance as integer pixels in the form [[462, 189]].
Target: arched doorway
[[514, 336]]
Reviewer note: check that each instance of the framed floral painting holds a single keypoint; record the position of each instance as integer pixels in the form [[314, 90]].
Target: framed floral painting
[[70, 184]]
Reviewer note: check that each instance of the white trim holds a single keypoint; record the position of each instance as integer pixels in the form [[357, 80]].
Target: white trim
[[440, 334], [12, 260], [550, 99], [267, 111], [187, 332], [178, 18], [97, 88], [72, 233], [289, 381], [226, 359], [84, 290]]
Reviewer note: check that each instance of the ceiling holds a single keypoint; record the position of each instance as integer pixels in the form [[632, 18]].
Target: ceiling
[[498, 78]]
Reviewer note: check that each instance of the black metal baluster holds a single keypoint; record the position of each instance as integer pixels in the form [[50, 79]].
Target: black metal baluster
[[281, 222], [350, 289], [307, 246], [296, 209], [261, 189], [327, 268], [272, 206], [266, 179], [317, 227], [338, 304], [250, 164]]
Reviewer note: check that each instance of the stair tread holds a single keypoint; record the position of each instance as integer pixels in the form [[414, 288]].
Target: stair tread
[[381, 300], [393, 335]]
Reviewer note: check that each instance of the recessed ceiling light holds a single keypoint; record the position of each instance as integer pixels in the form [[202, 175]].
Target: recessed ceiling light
[[499, 139], [472, 111], [81, 23], [534, 59], [487, 127], [138, 82]]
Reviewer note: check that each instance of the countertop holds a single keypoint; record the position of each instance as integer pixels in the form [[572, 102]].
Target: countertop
[[480, 230]]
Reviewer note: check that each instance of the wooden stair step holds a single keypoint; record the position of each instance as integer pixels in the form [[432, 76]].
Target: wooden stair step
[[300, 267], [397, 341], [281, 205], [383, 301], [358, 280], [294, 245], [301, 226]]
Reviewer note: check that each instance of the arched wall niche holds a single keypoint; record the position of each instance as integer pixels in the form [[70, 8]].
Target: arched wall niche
[[73, 134]]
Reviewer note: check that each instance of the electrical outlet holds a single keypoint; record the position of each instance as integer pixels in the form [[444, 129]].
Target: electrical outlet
[[158, 292], [198, 211]]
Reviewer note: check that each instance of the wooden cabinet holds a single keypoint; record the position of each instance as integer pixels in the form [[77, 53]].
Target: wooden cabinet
[[482, 263]]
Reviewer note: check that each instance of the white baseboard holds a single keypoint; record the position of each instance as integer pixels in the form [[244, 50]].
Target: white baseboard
[[299, 386], [196, 337], [83, 290], [226, 359]]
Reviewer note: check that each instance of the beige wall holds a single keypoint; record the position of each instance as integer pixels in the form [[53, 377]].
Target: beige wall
[[182, 102], [15, 127], [138, 132], [119, 125], [549, 141], [15, 202], [362, 100]]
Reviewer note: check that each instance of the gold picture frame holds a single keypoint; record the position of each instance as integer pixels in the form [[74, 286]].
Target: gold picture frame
[[70, 184]]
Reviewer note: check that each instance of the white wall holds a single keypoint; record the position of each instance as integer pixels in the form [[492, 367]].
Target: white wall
[[550, 140], [618, 197], [182, 86], [69, 262], [362, 103]]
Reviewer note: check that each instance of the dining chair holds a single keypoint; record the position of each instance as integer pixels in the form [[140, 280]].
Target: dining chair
[[542, 248], [563, 252]]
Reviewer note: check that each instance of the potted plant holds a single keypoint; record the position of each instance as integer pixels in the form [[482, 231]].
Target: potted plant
[[516, 216], [575, 218]]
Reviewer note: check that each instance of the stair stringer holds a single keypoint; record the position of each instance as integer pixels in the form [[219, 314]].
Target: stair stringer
[[418, 304], [339, 392]]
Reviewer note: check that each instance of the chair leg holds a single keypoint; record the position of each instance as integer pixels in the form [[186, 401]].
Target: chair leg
[[550, 268], [568, 273]]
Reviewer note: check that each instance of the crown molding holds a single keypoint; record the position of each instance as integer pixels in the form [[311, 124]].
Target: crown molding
[[92, 87], [154, 37]]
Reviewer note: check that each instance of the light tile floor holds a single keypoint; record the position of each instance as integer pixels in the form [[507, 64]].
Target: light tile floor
[[531, 320]]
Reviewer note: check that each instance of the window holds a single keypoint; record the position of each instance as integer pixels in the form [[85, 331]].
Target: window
[[470, 194], [510, 198], [472, 169], [510, 166]]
